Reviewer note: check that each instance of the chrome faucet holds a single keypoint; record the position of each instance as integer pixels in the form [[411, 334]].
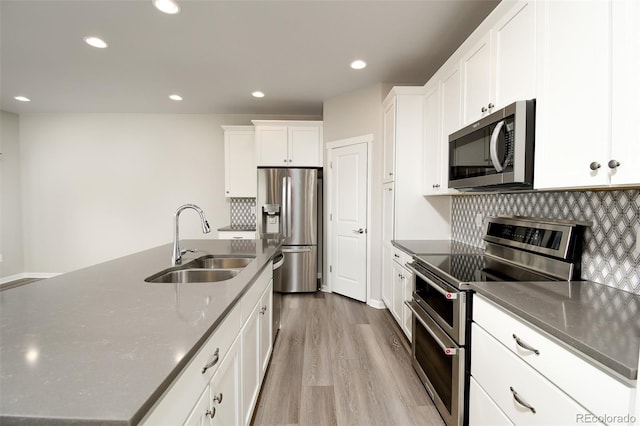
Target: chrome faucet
[[176, 257]]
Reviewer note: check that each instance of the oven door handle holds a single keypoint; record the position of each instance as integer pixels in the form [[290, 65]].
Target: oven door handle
[[445, 349], [448, 294]]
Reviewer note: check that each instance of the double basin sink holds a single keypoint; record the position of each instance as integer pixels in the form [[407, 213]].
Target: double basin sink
[[205, 269]]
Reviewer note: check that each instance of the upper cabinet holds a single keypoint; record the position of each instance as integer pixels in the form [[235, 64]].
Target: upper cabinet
[[500, 67], [586, 121], [239, 162], [389, 132], [288, 143]]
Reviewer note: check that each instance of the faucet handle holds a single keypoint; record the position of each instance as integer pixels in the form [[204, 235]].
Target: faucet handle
[[183, 251]]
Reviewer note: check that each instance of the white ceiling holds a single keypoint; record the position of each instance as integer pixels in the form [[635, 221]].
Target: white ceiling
[[215, 53]]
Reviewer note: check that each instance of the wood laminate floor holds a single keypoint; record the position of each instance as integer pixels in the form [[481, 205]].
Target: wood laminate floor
[[340, 362]]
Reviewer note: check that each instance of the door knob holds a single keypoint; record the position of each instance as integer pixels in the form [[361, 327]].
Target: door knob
[[358, 231]]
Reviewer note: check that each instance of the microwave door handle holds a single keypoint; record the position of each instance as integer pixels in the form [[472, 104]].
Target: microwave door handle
[[493, 147]]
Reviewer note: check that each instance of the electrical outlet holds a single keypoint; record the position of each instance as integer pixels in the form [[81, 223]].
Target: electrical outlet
[[479, 220]]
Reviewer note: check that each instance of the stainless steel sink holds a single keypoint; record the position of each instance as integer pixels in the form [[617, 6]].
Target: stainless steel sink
[[205, 269], [193, 276], [214, 262]]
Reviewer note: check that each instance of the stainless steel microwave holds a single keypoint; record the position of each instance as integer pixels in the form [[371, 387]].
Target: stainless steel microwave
[[495, 152]]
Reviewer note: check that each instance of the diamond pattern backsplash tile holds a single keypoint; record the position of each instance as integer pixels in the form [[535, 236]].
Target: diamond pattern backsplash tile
[[611, 253], [243, 213]]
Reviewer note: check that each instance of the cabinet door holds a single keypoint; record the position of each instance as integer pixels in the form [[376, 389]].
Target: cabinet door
[[476, 80], [515, 55], [483, 411], [250, 363], [389, 141], [625, 126], [450, 87], [573, 100], [266, 332], [433, 144], [225, 389], [199, 416], [407, 295], [387, 274], [388, 208], [305, 146], [271, 146], [239, 165], [398, 292]]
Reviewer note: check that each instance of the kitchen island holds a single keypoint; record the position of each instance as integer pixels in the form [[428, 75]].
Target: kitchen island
[[100, 345]]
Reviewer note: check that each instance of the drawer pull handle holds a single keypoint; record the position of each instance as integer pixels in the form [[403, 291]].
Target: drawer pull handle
[[214, 361], [521, 401], [525, 346]]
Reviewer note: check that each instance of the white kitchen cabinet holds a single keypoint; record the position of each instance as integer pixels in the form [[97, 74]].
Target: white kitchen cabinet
[[483, 411], [574, 95], [401, 289], [476, 80], [225, 388], [414, 216], [240, 176], [434, 144], [387, 236], [215, 378], [389, 139], [288, 143], [387, 274], [500, 68], [573, 383], [236, 235]]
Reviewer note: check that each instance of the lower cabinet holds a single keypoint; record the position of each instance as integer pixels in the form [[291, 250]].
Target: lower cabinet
[[236, 235], [220, 385], [530, 378], [397, 288]]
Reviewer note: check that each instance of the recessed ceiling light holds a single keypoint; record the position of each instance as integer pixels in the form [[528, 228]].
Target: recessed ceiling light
[[358, 64], [175, 97], [257, 94], [22, 99], [96, 42], [167, 6]]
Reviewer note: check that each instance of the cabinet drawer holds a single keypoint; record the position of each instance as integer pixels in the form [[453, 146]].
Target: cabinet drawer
[[505, 377], [400, 256], [254, 293], [598, 391], [236, 235], [483, 411], [177, 402]]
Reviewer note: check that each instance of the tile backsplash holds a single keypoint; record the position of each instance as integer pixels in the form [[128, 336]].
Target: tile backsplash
[[611, 250], [243, 212]]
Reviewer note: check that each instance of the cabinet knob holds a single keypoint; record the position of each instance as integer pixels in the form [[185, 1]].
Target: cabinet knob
[[483, 109], [263, 310], [217, 398], [491, 105], [613, 164], [437, 185], [594, 166], [211, 413], [285, 160]]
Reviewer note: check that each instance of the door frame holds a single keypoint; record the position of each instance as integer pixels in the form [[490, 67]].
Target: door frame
[[328, 173]]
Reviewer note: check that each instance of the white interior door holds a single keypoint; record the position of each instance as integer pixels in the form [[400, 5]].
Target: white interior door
[[349, 221]]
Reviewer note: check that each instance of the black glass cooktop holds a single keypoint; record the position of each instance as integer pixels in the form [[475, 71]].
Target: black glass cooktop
[[457, 269]]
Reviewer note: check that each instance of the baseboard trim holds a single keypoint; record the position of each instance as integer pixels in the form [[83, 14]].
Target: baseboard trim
[[376, 303]]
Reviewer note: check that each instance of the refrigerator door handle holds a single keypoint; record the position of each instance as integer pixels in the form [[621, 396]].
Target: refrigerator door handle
[[285, 206], [297, 250], [288, 212]]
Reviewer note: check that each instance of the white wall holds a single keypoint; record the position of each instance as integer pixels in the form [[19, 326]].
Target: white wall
[[354, 114], [10, 203], [100, 186]]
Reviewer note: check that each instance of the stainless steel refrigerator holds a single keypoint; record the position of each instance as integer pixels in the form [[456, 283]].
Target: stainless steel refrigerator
[[287, 205]]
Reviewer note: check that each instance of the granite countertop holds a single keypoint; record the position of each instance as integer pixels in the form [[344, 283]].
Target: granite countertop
[[241, 228], [418, 247], [99, 345], [599, 323]]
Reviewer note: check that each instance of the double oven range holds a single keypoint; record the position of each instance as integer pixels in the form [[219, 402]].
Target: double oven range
[[518, 249]]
